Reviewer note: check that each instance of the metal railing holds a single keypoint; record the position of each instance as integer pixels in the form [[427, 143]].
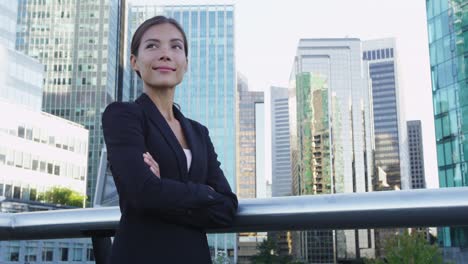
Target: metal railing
[[415, 208]]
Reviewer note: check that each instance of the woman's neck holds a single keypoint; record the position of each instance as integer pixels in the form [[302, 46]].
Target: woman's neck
[[163, 99]]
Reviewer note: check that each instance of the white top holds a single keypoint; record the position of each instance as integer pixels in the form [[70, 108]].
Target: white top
[[188, 155]]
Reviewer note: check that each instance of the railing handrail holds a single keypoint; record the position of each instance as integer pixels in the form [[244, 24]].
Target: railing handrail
[[414, 208]]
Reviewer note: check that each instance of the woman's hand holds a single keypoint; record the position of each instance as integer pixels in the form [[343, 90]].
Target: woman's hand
[[154, 166]]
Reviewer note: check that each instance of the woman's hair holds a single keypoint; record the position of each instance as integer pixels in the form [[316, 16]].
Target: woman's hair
[[157, 20]]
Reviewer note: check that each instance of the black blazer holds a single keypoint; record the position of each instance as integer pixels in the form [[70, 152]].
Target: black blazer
[[163, 220]]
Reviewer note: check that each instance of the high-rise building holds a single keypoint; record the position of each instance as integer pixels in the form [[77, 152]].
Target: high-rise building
[[246, 167], [20, 75], [331, 139], [391, 155], [281, 177], [448, 47], [416, 155], [391, 141], [8, 11], [79, 44], [250, 176], [280, 143]]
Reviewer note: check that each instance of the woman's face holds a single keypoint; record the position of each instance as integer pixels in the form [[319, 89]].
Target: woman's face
[[161, 57]]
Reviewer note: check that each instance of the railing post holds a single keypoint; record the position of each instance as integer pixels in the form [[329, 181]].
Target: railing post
[[101, 248]]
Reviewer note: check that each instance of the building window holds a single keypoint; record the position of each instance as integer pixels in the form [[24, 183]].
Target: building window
[[17, 192], [50, 168], [63, 251], [57, 170], [48, 251], [12, 252], [30, 254], [78, 252], [89, 254], [42, 166], [21, 131]]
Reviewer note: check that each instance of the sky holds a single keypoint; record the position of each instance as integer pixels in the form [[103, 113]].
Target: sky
[[267, 34]]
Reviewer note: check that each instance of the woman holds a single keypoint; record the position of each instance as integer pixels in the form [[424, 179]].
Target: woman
[[164, 165]]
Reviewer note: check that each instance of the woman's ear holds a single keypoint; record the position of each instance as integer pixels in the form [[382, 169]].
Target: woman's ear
[[133, 62]]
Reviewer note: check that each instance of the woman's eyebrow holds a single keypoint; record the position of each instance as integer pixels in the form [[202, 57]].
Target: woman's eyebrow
[[177, 40], [155, 40]]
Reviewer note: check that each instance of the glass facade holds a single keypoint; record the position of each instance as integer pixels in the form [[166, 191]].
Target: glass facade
[[391, 155], [246, 167], [208, 92], [331, 139], [250, 176], [77, 41], [416, 154], [280, 144], [8, 11], [448, 46]]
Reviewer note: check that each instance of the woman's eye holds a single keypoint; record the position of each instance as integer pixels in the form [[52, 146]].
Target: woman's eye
[[151, 46], [177, 47]]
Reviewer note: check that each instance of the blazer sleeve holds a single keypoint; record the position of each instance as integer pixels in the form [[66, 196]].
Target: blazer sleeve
[[139, 189], [219, 214]]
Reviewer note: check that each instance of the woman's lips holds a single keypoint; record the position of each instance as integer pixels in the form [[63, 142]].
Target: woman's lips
[[164, 68]]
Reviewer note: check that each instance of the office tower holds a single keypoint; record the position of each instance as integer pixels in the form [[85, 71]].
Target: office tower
[[280, 143], [416, 155], [281, 177], [250, 176], [79, 44], [331, 139], [448, 38], [20, 75], [391, 141], [391, 154], [246, 167]]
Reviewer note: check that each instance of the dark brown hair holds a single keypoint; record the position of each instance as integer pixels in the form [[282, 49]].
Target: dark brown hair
[[157, 20]]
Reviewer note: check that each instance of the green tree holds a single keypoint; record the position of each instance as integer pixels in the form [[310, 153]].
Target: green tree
[[221, 258], [63, 196], [409, 249], [268, 254]]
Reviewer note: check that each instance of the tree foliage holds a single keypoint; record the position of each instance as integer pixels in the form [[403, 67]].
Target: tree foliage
[[268, 254], [409, 249], [63, 196]]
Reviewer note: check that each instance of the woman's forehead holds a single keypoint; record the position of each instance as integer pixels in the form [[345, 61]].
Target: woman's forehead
[[164, 31]]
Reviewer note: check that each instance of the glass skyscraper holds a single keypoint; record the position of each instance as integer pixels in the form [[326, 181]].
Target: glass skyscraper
[[247, 185], [448, 45], [280, 143], [391, 151], [331, 139], [79, 44], [416, 153], [208, 92], [250, 176]]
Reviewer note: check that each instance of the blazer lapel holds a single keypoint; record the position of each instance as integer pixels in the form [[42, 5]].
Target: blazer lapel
[[192, 141], [158, 120]]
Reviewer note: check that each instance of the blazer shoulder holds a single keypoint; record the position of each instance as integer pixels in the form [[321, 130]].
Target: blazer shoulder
[[198, 126], [117, 109]]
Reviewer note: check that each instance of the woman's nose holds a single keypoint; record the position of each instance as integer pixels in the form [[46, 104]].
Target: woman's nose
[[165, 54], [164, 57]]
